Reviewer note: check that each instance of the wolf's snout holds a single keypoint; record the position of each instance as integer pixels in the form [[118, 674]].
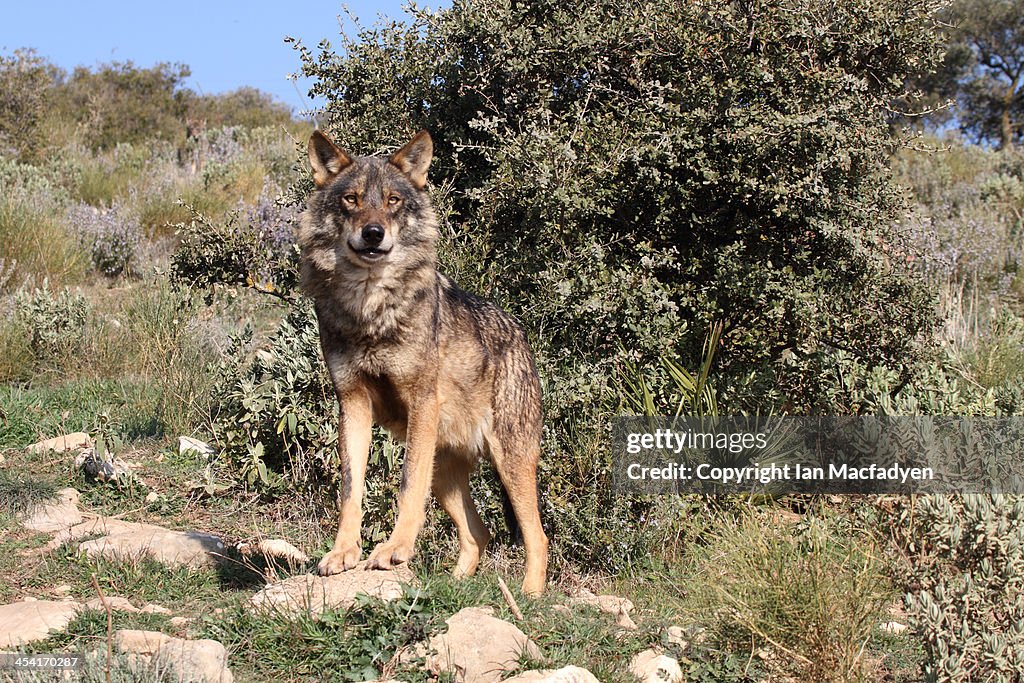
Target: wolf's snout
[[373, 235]]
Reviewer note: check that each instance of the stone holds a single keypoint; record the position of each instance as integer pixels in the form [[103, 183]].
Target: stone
[[314, 594], [609, 604], [121, 540], [32, 620], [676, 635], [567, 674], [894, 628], [276, 548], [60, 444], [478, 647], [650, 666], [115, 603], [155, 609], [192, 661], [152, 497], [54, 515]]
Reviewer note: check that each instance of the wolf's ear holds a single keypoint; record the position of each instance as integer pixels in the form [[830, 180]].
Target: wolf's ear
[[326, 158], [414, 158]]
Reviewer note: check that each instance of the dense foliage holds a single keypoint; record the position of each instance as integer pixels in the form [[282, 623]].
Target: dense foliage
[[624, 175]]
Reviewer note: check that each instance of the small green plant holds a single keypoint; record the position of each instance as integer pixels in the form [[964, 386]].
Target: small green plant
[[337, 645]]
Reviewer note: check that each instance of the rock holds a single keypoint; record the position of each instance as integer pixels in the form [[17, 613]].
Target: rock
[[650, 666], [179, 622], [115, 603], [140, 642], [274, 548], [54, 515], [609, 604], [155, 609], [683, 636], [894, 627], [60, 444], [187, 444], [131, 540], [25, 622], [676, 635], [478, 647], [200, 661], [314, 594], [152, 497], [567, 674], [102, 469]]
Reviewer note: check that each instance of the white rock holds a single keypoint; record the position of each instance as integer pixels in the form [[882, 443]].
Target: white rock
[[192, 661], [67, 442], [276, 548], [314, 594], [567, 674], [114, 602], [609, 604], [152, 497], [56, 514], [478, 647], [31, 620], [155, 609], [894, 627], [650, 666], [131, 541]]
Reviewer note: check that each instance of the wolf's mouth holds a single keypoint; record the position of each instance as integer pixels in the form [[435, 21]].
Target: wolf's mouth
[[371, 253]]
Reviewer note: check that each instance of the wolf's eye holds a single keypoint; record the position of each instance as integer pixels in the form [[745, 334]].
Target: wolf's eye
[[350, 198], [393, 200]]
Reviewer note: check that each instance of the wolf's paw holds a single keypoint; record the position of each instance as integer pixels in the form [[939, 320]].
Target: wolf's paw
[[341, 559], [390, 554]]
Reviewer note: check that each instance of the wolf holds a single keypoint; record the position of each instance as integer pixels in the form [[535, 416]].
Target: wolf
[[449, 373]]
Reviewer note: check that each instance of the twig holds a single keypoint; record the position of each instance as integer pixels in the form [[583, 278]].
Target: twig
[[110, 623], [516, 612]]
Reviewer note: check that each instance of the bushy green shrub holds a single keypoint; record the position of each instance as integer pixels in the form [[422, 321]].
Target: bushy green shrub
[[721, 150], [55, 322], [967, 600], [274, 413]]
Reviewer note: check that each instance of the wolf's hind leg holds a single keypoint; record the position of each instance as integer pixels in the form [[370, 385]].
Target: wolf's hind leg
[[451, 488], [518, 472]]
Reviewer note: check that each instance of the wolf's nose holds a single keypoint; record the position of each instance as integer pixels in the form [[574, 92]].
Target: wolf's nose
[[373, 234]]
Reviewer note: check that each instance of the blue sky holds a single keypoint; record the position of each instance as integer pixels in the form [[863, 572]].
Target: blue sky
[[226, 44]]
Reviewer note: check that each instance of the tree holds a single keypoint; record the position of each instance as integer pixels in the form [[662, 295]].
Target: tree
[[25, 81], [991, 81], [639, 170], [121, 102]]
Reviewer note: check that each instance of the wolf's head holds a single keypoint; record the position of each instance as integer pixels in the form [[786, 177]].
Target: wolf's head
[[367, 213]]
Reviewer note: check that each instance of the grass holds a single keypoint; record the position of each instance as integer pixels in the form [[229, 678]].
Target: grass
[[34, 239], [20, 494], [805, 595]]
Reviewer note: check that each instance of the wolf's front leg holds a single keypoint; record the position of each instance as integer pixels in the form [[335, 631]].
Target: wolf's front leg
[[354, 433], [421, 444]]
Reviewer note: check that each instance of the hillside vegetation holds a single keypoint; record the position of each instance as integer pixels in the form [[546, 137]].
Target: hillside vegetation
[[658, 191]]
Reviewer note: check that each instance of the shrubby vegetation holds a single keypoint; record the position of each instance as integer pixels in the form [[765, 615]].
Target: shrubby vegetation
[[699, 206]]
